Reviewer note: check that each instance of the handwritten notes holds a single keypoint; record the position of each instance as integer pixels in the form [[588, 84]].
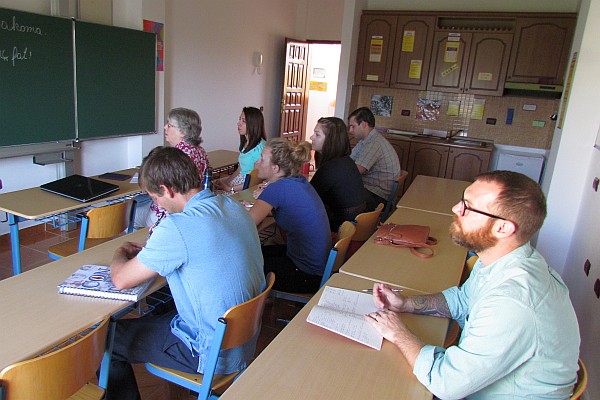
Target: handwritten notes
[[342, 311]]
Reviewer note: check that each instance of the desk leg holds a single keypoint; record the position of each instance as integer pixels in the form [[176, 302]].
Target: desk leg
[[13, 222]]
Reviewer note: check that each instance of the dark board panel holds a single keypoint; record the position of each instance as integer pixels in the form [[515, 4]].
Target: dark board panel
[[115, 80], [36, 79]]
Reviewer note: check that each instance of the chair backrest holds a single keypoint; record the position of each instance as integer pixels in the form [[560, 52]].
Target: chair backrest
[[108, 221], [57, 375], [366, 224], [345, 235], [394, 196], [243, 321], [582, 381], [251, 179]]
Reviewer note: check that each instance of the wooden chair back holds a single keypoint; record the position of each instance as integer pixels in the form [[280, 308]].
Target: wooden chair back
[[582, 381], [366, 224], [345, 235], [251, 179], [394, 196], [59, 374], [109, 221], [243, 320]]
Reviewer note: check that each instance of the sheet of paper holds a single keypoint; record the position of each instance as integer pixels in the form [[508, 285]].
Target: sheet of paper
[[342, 311], [134, 179]]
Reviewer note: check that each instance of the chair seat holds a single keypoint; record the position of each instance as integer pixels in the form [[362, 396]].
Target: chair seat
[[220, 382], [71, 246], [88, 392]]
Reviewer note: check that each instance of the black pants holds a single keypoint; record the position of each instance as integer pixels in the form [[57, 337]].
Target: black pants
[[373, 201], [288, 277], [140, 340]]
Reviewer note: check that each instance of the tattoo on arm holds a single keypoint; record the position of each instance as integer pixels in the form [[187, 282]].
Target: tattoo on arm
[[433, 304]]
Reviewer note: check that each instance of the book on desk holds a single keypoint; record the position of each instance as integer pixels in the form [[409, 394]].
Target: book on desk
[[342, 311], [95, 281]]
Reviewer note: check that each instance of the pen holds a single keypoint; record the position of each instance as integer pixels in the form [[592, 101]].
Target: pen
[[371, 290]]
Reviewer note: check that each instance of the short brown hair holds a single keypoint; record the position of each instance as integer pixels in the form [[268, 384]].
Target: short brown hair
[[170, 167], [289, 156], [520, 200]]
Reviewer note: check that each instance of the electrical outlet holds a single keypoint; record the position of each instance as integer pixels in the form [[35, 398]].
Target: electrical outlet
[[586, 267], [490, 121], [405, 113], [597, 288]]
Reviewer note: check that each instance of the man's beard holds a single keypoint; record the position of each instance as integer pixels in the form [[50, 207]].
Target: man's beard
[[477, 240]]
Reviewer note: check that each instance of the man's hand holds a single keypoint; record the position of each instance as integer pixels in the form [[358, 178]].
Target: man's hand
[[386, 299], [129, 250], [388, 323]]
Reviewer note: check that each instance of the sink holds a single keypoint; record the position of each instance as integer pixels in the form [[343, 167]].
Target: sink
[[467, 142]]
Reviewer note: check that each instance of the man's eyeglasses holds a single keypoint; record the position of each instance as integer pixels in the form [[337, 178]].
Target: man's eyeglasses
[[464, 207], [170, 125]]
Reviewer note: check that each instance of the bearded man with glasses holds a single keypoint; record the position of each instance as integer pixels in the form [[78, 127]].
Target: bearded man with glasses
[[520, 335]]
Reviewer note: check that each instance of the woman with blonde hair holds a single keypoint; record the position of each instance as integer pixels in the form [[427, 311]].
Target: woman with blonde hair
[[298, 211]]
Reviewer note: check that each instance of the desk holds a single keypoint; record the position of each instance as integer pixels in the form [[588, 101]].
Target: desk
[[36, 317], [222, 160], [399, 267], [308, 362], [36, 204], [433, 194]]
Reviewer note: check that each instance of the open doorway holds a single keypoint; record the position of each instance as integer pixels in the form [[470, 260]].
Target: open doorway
[[309, 86]]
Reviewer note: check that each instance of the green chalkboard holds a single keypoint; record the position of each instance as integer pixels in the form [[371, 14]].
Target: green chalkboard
[[36, 79], [64, 80], [115, 80]]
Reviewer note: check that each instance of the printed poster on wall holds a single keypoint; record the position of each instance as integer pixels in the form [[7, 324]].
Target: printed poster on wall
[[408, 41], [376, 49], [157, 28]]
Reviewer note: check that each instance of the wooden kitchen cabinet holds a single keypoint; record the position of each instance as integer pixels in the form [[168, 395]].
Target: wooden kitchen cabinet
[[466, 164], [427, 159], [474, 63], [412, 53], [375, 50], [540, 51]]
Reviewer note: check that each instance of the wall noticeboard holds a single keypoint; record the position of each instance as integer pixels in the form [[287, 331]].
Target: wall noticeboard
[[64, 80]]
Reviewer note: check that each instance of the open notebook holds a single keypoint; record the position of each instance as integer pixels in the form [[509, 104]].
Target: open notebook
[[80, 188]]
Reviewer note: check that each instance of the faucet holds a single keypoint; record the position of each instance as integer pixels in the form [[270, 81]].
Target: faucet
[[454, 132]]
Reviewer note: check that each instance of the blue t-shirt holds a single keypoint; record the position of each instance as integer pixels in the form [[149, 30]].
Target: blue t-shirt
[[298, 209], [210, 254], [248, 159]]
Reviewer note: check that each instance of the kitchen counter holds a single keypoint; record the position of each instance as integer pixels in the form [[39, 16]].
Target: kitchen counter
[[457, 141]]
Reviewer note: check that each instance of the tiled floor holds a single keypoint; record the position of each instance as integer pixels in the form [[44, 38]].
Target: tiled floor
[[34, 245]]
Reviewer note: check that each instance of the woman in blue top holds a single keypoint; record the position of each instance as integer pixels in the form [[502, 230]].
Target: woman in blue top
[[337, 180], [298, 211], [251, 128]]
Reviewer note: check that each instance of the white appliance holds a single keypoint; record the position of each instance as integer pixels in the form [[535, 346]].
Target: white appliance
[[525, 163]]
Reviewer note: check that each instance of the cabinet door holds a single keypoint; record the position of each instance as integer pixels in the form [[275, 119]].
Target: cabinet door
[[466, 164], [540, 51], [449, 62], [375, 50], [427, 159], [412, 53], [488, 63]]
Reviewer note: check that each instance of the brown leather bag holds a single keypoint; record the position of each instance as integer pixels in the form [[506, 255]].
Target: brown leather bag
[[411, 236]]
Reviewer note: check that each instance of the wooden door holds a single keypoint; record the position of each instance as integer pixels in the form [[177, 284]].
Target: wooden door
[[540, 51], [449, 61], [294, 98], [488, 63], [375, 50], [414, 37]]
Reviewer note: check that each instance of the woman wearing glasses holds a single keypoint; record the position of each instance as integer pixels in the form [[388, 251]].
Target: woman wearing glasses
[[182, 130]]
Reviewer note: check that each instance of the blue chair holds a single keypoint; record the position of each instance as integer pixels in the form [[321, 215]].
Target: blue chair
[[336, 258], [238, 325], [98, 225], [394, 196], [251, 179]]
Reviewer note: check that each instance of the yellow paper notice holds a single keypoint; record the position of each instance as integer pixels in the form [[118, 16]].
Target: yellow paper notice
[[414, 71], [451, 53], [485, 76], [408, 41], [376, 49], [318, 86], [478, 109], [453, 107]]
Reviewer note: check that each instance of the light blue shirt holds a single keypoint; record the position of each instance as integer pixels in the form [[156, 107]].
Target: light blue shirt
[[248, 159], [520, 334], [210, 254]]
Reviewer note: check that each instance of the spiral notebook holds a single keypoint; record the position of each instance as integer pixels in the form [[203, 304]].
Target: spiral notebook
[[94, 281]]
